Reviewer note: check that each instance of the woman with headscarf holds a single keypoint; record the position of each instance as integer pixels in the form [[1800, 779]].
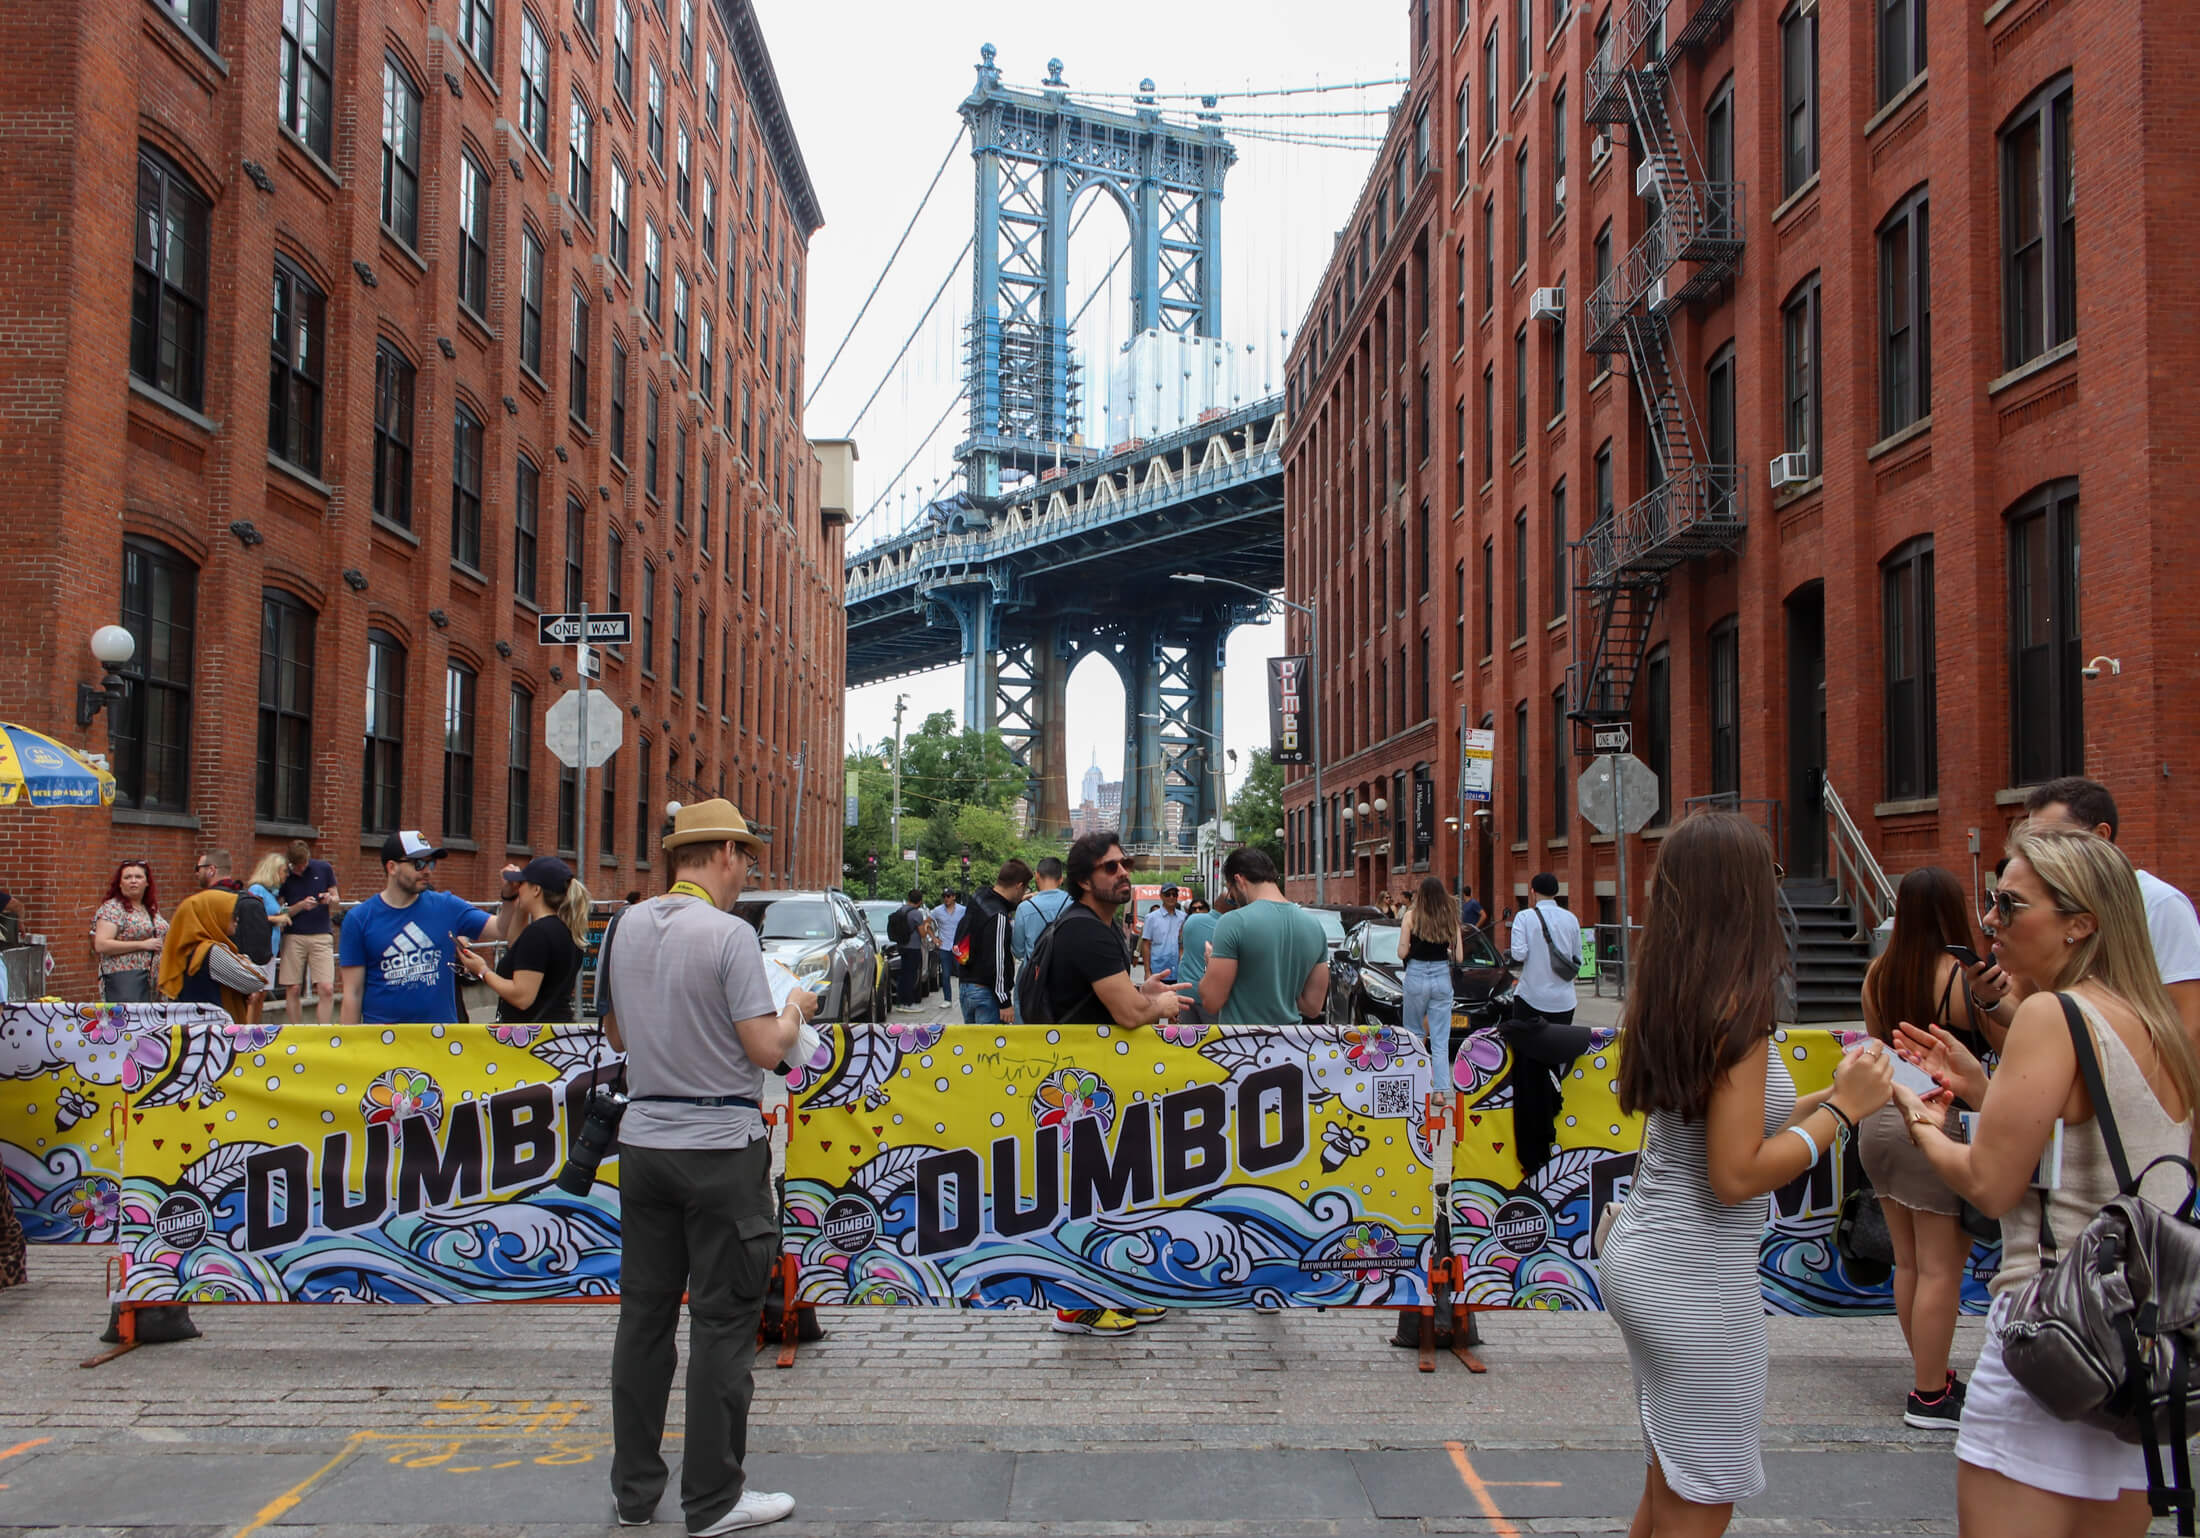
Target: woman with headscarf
[[200, 963]]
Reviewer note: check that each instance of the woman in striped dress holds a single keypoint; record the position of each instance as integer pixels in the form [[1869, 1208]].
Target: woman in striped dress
[[1724, 1129]]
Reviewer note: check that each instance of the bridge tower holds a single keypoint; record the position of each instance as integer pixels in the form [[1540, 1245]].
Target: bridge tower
[[1036, 154]]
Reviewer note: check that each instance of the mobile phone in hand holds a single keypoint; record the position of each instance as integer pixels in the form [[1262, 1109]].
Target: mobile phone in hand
[[1964, 954]]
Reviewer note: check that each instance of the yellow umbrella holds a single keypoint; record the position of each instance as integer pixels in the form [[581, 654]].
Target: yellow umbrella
[[38, 771]]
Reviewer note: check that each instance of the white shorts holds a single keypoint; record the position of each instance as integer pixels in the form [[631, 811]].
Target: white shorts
[[2005, 1429]]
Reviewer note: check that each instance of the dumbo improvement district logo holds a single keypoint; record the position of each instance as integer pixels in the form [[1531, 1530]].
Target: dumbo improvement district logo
[[850, 1226], [1522, 1226], [182, 1221]]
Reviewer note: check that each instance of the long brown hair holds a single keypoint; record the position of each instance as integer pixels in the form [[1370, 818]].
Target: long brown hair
[[1434, 914], [1929, 916], [1708, 964]]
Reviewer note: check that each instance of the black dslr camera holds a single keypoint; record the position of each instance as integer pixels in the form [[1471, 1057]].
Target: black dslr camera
[[598, 1136]]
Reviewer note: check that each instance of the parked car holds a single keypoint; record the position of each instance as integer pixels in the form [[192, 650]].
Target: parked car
[[1333, 928], [1365, 979], [876, 911], [827, 943]]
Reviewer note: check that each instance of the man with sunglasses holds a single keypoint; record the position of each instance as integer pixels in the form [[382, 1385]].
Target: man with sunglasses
[[399, 949], [1087, 978]]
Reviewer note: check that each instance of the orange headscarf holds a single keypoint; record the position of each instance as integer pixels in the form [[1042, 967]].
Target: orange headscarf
[[200, 922]]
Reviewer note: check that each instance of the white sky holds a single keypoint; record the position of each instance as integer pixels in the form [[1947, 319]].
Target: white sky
[[873, 85]]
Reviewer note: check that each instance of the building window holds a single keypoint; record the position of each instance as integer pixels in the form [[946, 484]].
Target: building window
[[1520, 575], [1905, 315], [569, 802], [1520, 390], [653, 273], [683, 172], [1558, 551], [1489, 596], [168, 300], [2039, 226], [458, 751], [656, 115], [152, 726], [473, 227], [577, 356], [1561, 764], [616, 206], [1719, 409], [710, 221], [382, 778], [1489, 87], [649, 441], [576, 555], [1657, 729], [1901, 45], [1489, 254], [477, 32], [618, 399], [1804, 411], [614, 592], [1913, 756], [1726, 708], [196, 15], [680, 316], [466, 437], [580, 166], [400, 153], [642, 828], [1520, 211], [2047, 711], [1459, 618], [702, 653], [534, 84], [1523, 35], [702, 505], [284, 763], [1601, 515], [393, 436], [622, 51], [704, 349], [584, 12], [710, 89], [295, 369], [607, 818], [530, 300], [1798, 96], [1558, 153], [679, 473], [649, 617], [519, 755], [687, 38], [1558, 361], [308, 63], [676, 655], [1520, 772], [1463, 110], [526, 514]]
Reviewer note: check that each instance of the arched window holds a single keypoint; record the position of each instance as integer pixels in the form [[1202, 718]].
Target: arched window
[[382, 778], [284, 770], [1913, 753], [152, 739], [168, 298], [2046, 650]]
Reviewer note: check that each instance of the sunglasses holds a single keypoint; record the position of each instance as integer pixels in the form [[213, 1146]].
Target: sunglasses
[[421, 864], [2004, 904], [1107, 867]]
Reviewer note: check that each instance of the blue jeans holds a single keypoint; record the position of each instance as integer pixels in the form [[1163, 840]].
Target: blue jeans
[[979, 1007], [1428, 1014]]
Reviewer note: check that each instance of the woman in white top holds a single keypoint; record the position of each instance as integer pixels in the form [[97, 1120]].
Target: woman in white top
[[2067, 916]]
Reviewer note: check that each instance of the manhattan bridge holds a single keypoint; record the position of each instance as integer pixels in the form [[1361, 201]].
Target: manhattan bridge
[[1053, 547]]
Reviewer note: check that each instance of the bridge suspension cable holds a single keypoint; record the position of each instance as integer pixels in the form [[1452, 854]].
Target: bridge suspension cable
[[922, 203], [914, 332], [1202, 96], [961, 395]]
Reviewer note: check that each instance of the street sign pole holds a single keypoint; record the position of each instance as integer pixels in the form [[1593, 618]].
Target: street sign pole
[[1619, 838], [580, 792], [1459, 847]]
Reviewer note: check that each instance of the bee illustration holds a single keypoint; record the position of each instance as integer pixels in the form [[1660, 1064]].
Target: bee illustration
[[1338, 1145], [71, 1109]]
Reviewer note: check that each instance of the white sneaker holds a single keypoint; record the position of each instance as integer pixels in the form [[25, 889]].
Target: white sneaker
[[754, 1509]]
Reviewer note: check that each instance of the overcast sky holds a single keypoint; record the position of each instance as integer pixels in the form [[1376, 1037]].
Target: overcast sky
[[873, 87]]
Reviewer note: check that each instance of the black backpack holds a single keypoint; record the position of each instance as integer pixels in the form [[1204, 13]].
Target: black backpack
[[255, 935], [897, 925], [1033, 1004]]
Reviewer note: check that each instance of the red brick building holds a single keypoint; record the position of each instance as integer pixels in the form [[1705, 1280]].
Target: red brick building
[[1893, 354], [348, 336]]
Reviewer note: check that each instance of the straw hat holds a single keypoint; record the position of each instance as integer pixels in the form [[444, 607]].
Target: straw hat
[[710, 822]]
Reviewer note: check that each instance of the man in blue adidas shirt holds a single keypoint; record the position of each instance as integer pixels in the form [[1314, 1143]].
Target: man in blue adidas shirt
[[399, 949]]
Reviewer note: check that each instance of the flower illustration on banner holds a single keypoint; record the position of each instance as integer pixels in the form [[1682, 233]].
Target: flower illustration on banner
[[257, 1036], [146, 1057], [916, 1035], [1371, 1244], [96, 1203], [1372, 1048], [102, 1024], [1480, 1059], [809, 1069], [516, 1033], [1070, 1095], [402, 1092], [1182, 1033]]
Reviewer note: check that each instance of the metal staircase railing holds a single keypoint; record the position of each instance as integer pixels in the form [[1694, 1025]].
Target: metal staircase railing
[[1857, 875]]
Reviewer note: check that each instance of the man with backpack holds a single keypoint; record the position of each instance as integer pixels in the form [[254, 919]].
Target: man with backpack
[[988, 975], [905, 928], [1038, 910], [1546, 941]]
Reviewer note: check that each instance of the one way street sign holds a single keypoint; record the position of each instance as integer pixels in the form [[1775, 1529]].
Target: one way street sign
[[603, 629]]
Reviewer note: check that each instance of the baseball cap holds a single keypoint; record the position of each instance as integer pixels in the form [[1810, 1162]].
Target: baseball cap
[[409, 845], [550, 873], [1169, 890]]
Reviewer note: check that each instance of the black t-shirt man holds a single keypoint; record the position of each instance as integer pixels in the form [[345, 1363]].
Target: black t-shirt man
[[298, 886], [545, 946], [1084, 951]]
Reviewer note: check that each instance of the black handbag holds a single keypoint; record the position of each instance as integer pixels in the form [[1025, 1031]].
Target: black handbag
[[1860, 1235]]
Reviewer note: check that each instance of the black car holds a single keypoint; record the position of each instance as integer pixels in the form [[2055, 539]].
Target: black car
[[1365, 979]]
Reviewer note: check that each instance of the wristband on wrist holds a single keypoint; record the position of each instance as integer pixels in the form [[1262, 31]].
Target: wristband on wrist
[[1809, 1142], [1848, 1122], [1991, 1007]]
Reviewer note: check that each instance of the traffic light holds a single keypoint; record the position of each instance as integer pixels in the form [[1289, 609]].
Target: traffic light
[[872, 862], [966, 872]]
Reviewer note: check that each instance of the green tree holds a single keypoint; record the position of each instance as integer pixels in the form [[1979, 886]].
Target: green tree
[[1257, 809], [946, 769]]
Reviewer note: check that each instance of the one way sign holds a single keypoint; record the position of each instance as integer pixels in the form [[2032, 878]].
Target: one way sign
[[603, 629]]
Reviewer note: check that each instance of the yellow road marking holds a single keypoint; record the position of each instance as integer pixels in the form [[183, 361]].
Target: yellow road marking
[[1475, 1486], [24, 1447], [297, 1492]]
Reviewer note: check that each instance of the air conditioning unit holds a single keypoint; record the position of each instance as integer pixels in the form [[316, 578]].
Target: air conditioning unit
[[1600, 146], [1646, 178], [1558, 194], [1547, 304], [1790, 470], [1654, 296]]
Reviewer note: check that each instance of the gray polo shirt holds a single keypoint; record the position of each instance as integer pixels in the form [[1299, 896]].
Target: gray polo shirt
[[683, 972]]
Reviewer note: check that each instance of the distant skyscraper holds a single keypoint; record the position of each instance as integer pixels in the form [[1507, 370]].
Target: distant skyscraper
[[1091, 791]]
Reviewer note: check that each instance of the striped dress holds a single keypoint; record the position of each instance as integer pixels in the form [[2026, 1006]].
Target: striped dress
[[1679, 1274]]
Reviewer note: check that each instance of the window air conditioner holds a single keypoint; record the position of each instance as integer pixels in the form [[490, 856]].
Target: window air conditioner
[[1654, 296], [1790, 470], [1547, 304], [1600, 146], [1646, 178], [1558, 193]]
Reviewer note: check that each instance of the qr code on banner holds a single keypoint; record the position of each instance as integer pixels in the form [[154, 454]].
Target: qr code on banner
[[1394, 1095]]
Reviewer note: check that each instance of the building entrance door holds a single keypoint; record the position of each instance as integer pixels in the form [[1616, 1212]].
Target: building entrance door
[[1806, 731]]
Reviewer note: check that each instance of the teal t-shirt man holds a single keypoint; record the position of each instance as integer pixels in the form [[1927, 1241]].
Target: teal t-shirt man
[[1268, 953]]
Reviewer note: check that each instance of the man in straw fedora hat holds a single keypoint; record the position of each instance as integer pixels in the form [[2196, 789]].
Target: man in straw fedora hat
[[687, 999]]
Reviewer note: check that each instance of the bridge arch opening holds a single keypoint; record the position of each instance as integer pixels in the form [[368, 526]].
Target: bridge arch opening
[[1096, 733], [1100, 315]]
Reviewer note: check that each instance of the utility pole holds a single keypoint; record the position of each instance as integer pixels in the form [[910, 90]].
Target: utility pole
[[900, 701], [794, 856]]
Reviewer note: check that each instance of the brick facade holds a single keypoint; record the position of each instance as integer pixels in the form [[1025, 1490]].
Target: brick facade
[[2107, 415], [92, 455]]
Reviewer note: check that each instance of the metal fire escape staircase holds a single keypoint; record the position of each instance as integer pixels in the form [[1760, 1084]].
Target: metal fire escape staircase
[[1691, 248]]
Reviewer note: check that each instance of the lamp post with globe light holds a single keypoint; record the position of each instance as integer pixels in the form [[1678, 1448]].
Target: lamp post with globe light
[[113, 646], [1312, 611]]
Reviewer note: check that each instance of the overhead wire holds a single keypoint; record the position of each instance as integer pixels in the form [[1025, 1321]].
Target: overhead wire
[[922, 203], [960, 396], [1201, 96]]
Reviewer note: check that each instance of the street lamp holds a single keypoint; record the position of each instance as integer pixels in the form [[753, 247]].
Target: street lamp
[[1312, 611], [113, 646]]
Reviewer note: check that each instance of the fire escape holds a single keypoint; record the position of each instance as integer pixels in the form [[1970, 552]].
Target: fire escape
[[1690, 249]]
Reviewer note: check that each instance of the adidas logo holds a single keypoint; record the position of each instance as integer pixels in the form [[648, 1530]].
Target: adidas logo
[[411, 958]]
